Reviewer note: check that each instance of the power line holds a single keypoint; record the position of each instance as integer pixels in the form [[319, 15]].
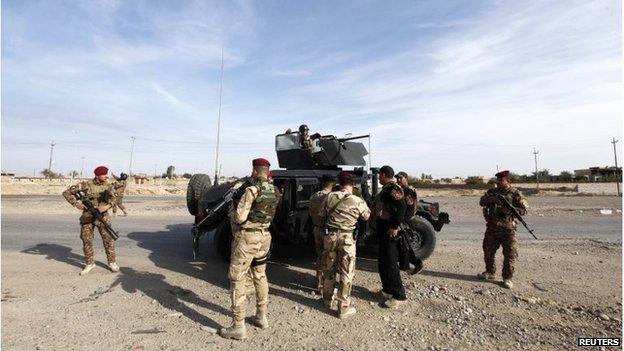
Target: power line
[[131, 155], [617, 177], [50, 161], [535, 152]]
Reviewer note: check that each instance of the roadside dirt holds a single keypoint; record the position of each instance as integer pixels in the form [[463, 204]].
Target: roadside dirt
[[162, 300]]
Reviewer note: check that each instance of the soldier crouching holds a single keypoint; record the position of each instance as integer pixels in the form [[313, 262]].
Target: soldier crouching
[[250, 247], [341, 211], [100, 192], [501, 228]]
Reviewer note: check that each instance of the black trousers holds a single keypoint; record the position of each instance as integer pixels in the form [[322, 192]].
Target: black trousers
[[388, 262]]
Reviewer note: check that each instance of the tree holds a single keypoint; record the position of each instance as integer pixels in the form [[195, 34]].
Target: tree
[[187, 175], [170, 171], [544, 175], [474, 180], [566, 176], [51, 175]]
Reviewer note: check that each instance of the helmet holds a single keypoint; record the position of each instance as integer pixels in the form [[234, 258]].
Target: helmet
[[303, 129], [123, 176]]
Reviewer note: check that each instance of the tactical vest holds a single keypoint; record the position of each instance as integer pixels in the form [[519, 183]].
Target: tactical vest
[[381, 208], [494, 214], [94, 191], [265, 204]]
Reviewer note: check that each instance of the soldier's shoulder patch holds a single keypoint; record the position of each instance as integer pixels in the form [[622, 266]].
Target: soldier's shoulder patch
[[396, 194]]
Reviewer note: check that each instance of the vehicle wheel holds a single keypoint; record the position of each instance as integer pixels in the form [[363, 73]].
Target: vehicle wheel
[[223, 240], [423, 237], [197, 184]]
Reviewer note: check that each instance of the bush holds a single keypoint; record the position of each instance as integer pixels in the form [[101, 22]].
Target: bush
[[187, 175]]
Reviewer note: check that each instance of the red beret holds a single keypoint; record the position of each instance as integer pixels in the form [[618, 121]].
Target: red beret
[[101, 171], [503, 174], [342, 176], [261, 162]]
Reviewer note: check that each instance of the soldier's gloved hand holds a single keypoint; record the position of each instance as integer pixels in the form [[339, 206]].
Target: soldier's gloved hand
[[79, 206], [392, 232]]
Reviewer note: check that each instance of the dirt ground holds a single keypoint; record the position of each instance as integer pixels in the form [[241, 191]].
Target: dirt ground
[[567, 285]]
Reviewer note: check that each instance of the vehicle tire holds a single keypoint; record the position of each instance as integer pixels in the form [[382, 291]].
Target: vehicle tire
[[423, 237], [223, 240], [197, 184]]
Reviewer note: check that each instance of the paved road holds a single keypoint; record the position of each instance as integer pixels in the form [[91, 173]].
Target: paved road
[[23, 231]]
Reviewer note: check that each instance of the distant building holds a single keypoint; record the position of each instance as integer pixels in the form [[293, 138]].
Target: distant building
[[598, 173]]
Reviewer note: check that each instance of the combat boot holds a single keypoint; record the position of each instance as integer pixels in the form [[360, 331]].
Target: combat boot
[[332, 305], [384, 294], [260, 320], [113, 267], [234, 332], [486, 276], [508, 283], [393, 303], [87, 269], [346, 312]]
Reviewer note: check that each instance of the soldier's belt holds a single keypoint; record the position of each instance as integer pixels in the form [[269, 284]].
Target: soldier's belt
[[259, 261], [334, 230]]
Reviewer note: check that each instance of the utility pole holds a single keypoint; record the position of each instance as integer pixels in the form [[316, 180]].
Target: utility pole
[[535, 152], [155, 174], [216, 178], [82, 166], [50, 161], [617, 177], [132, 139]]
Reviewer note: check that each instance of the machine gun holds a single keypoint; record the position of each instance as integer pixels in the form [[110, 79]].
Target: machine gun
[[95, 212], [515, 213], [233, 195]]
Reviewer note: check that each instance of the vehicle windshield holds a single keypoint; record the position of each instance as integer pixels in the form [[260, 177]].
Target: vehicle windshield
[[287, 142]]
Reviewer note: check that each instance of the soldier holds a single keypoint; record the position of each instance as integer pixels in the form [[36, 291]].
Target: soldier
[[327, 182], [501, 227], [411, 200], [120, 188], [307, 140], [389, 213], [100, 192], [341, 211], [250, 247]]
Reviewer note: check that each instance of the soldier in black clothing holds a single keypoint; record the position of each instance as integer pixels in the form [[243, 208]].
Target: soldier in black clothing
[[389, 213]]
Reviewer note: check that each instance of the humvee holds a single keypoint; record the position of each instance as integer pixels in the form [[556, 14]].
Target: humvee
[[298, 178]]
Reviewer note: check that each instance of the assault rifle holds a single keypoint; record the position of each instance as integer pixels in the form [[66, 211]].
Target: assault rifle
[[93, 210], [514, 212], [211, 214]]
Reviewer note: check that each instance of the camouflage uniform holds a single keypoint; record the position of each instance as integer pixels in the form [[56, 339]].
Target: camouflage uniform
[[120, 188], [341, 210], [250, 247], [94, 189], [316, 201], [501, 229]]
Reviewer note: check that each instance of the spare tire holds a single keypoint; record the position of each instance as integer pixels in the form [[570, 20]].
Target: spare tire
[[423, 238], [197, 184]]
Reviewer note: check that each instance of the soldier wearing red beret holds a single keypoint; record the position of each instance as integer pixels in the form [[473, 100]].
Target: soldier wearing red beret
[[250, 220], [501, 227], [101, 193]]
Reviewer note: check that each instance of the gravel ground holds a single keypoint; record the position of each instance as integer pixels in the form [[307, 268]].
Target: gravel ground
[[567, 285]]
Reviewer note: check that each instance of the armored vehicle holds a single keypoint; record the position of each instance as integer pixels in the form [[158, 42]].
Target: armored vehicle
[[299, 177]]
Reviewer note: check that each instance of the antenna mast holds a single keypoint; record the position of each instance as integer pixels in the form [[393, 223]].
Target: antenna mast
[[216, 177]]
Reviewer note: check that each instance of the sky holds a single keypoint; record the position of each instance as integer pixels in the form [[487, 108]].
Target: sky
[[447, 88]]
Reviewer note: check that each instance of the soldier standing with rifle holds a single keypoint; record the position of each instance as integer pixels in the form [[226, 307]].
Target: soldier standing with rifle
[[341, 211], [250, 247], [99, 193], [389, 213], [327, 182], [501, 227], [411, 198], [120, 188]]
